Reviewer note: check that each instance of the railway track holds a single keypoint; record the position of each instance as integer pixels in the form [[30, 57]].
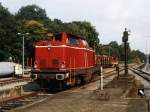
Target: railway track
[[22, 100], [10, 86], [141, 66], [141, 73], [4, 82], [107, 77], [11, 103], [144, 79]]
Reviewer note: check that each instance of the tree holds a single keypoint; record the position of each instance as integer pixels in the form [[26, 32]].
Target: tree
[[79, 28], [8, 33], [33, 19], [31, 12], [86, 30], [37, 31], [121, 52], [138, 54], [114, 49], [35, 27]]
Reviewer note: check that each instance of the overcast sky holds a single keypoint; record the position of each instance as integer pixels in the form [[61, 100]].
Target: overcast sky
[[109, 17]]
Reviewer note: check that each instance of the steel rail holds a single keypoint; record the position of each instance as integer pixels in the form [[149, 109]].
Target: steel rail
[[141, 73]]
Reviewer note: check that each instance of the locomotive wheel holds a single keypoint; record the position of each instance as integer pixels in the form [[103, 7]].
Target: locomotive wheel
[[78, 81], [81, 78]]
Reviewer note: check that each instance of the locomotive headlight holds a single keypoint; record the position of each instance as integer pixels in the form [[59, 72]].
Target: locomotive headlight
[[62, 64], [67, 75], [35, 65]]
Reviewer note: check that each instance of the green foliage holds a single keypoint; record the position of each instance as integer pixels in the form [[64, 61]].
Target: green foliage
[[4, 55], [34, 20], [31, 12], [113, 49], [8, 30], [138, 54]]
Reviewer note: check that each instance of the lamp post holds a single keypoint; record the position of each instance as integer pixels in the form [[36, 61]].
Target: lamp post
[[125, 41], [23, 35]]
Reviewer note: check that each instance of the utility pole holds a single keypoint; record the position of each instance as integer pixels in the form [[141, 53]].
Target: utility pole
[[23, 35], [109, 49], [147, 61], [23, 55], [147, 47], [125, 41], [147, 66]]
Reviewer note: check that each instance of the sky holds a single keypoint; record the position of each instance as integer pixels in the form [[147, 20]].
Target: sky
[[110, 17]]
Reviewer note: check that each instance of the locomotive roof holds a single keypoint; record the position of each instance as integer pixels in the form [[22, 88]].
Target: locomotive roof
[[83, 38]]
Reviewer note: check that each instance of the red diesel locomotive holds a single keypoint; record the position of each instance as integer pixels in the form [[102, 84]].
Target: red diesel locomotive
[[66, 60]]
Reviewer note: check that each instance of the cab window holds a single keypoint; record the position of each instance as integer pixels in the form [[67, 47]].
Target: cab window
[[85, 43], [73, 40], [57, 37]]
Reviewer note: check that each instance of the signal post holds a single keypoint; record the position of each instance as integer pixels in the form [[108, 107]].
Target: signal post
[[125, 41]]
